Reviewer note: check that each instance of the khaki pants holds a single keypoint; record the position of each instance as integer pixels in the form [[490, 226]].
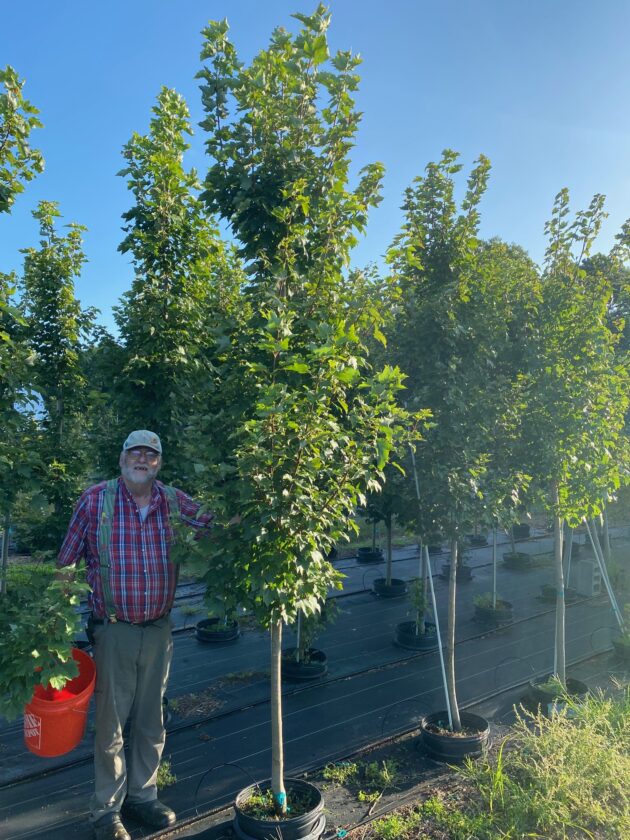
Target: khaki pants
[[132, 665]]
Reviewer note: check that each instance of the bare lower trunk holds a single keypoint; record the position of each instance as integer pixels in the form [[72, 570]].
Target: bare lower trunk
[[277, 750], [388, 575], [494, 568], [5, 552], [606, 537], [420, 615], [450, 640], [560, 653]]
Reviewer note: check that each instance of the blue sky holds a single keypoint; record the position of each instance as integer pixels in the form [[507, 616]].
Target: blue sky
[[540, 87]]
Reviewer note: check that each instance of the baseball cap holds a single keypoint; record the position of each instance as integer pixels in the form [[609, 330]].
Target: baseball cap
[[143, 437]]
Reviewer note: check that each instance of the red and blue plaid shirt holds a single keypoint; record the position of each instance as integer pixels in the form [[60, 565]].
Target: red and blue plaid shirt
[[142, 578]]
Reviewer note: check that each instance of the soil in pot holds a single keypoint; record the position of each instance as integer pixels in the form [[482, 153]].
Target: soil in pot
[[255, 817], [370, 555], [494, 616], [214, 630], [406, 636], [396, 589], [464, 573], [454, 747], [313, 664], [548, 594], [517, 560]]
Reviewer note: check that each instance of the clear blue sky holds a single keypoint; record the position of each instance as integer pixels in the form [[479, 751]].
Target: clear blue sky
[[540, 87]]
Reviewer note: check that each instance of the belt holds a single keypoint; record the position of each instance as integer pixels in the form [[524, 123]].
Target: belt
[[122, 621]]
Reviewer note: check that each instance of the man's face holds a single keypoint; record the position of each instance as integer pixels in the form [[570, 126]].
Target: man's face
[[140, 465]]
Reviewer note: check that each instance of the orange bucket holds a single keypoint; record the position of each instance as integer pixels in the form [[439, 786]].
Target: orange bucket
[[55, 719]]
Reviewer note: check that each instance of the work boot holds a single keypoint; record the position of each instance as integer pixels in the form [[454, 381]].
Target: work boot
[[153, 813], [110, 827]]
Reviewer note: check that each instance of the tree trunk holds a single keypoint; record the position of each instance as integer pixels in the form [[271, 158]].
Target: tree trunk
[[450, 640], [5, 552], [606, 537], [388, 573], [560, 651], [277, 747], [420, 615], [494, 568]]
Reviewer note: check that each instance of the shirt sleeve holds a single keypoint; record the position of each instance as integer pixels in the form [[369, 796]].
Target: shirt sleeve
[[190, 512], [74, 545]]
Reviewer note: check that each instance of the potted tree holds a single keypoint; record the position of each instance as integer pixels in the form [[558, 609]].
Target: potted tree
[[385, 507], [492, 611], [305, 662], [419, 633], [456, 299], [576, 385], [39, 624], [311, 425]]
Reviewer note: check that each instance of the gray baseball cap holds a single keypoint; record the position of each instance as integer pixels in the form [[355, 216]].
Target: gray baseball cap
[[143, 437]]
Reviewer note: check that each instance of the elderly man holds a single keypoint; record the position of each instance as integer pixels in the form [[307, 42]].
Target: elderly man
[[122, 529]]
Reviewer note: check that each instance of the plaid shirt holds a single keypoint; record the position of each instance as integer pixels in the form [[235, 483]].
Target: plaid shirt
[[142, 578]]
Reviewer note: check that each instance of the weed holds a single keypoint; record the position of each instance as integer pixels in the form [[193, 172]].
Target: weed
[[164, 776], [190, 609], [341, 773]]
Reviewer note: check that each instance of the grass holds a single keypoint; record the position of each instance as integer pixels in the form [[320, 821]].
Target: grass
[[559, 778]]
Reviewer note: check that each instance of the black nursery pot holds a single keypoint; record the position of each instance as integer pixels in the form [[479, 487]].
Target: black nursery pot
[[545, 700], [521, 532], [396, 589], [454, 748], [478, 539], [622, 650], [406, 636], [314, 665], [213, 630], [464, 573], [308, 826], [370, 555], [517, 560], [494, 617]]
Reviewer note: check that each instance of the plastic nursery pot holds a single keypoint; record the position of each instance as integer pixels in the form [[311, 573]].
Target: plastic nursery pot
[[521, 532], [55, 720], [370, 555], [517, 560], [313, 665], [454, 747], [396, 589], [494, 616], [214, 630], [464, 573], [307, 826], [548, 594], [435, 549], [406, 636], [477, 539], [547, 701]]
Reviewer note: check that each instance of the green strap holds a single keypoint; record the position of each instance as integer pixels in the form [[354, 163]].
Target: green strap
[[105, 536], [104, 539]]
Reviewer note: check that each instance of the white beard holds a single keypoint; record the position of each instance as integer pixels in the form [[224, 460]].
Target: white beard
[[139, 474]]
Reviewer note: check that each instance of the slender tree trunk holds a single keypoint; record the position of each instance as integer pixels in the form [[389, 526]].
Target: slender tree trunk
[[277, 747], [560, 657], [450, 640], [388, 574], [420, 615], [374, 536], [298, 641], [512, 540], [494, 568], [606, 536], [5, 552]]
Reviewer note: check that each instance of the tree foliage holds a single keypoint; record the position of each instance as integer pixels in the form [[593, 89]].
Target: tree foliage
[[19, 163], [185, 285]]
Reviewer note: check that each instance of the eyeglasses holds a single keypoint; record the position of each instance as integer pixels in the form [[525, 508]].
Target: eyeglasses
[[151, 456]]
